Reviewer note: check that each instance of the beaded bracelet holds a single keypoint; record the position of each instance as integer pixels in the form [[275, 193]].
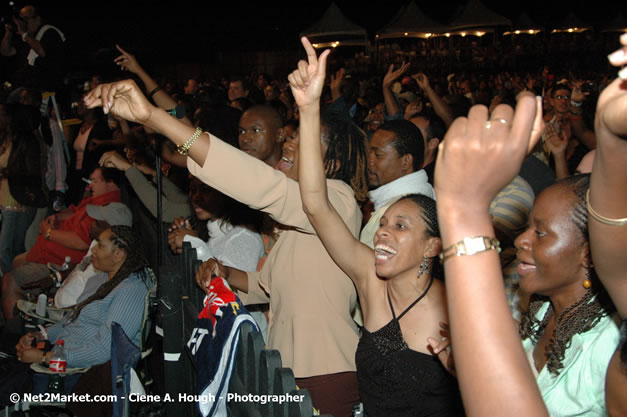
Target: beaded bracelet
[[602, 219], [184, 148]]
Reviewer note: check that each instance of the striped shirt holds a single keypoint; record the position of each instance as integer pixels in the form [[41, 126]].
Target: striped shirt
[[88, 338]]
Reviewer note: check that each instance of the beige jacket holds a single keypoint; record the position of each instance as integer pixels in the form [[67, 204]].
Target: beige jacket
[[311, 299]]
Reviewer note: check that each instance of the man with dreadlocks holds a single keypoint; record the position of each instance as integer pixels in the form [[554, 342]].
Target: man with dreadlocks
[[310, 297], [568, 332], [120, 299]]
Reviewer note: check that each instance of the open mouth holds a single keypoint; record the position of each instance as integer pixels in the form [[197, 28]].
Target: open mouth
[[383, 253], [525, 268], [285, 164]]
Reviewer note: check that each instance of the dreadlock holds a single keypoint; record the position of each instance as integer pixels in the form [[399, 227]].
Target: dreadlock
[[346, 156], [429, 215], [123, 238], [582, 315]]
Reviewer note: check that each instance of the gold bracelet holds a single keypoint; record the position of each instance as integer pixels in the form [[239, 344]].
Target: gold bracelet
[[599, 218], [471, 246], [184, 148]]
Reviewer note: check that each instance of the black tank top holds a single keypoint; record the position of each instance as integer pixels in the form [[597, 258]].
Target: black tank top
[[396, 381]]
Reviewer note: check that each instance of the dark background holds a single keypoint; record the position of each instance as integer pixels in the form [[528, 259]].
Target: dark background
[[182, 31]]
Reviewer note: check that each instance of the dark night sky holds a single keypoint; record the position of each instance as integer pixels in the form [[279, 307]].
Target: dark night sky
[[194, 31]]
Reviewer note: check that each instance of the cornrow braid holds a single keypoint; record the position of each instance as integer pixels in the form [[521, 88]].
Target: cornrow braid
[[582, 315], [429, 215], [123, 238], [346, 155]]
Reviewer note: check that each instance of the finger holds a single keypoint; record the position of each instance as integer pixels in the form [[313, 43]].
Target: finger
[[523, 123], [502, 115], [391, 69], [477, 117], [93, 98], [303, 71], [322, 62], [444, 325], [538, 125], [311, 52], [119, 48]]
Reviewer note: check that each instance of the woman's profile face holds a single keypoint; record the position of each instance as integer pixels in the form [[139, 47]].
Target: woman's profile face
[[102, 255], [400, 241], [552, 250]]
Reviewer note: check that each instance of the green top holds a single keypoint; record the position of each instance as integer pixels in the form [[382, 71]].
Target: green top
[[579, 389]]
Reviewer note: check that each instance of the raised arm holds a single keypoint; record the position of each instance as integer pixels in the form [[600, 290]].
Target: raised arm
[[439, 106], [478, 158], [306, 83], [128, 62], [391, 104], [125, 99], [608, 185]]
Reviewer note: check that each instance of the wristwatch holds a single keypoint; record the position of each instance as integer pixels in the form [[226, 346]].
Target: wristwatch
[[470, 246]]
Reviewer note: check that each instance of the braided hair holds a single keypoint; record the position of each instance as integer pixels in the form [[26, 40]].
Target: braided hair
[[123, 238], [582, 315], [429, 215], [346, 155]]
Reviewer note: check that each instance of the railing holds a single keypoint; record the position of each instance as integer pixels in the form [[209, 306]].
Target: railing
[[260, 385]]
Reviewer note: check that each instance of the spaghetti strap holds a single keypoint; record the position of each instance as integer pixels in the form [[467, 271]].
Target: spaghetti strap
[[412, 304]]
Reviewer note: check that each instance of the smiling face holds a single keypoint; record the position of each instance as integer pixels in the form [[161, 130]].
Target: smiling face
[[401, 241], [552, 250], [289, 159]]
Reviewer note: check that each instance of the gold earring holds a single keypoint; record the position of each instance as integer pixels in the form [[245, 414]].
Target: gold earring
[[586, 282]]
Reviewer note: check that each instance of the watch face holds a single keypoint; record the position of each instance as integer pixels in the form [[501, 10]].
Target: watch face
[[474, 245]]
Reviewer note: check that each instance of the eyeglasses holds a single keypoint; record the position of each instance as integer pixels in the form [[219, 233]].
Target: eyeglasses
[[562, 97]]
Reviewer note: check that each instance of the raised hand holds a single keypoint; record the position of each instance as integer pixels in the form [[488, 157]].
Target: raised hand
[[479, 156], [307, 81], [122, 98], [422, 80], [392, 75], [112, 159], [557, 142], [127, 61]]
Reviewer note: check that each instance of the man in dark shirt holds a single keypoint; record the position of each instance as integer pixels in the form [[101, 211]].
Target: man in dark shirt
[[37, 49]]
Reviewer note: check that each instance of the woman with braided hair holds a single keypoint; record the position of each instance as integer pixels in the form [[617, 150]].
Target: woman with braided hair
[[568, 332], [399, 353], [120, 299]]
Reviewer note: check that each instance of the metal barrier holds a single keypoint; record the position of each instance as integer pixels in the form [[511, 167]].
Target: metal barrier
[[260, 385]]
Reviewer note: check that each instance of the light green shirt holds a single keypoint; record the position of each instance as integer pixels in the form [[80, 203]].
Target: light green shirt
[[579, 389]]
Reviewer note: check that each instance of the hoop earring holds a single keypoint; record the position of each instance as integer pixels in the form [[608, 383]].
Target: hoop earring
[[587, 284], [424, 267]]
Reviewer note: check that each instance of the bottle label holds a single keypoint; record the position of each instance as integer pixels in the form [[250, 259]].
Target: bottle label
[[58, 365]]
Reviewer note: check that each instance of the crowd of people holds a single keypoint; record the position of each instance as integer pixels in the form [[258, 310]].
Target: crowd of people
[[423, 244]]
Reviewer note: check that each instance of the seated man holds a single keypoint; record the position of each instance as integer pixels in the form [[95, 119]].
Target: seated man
[[85, 279], [63, 234]]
